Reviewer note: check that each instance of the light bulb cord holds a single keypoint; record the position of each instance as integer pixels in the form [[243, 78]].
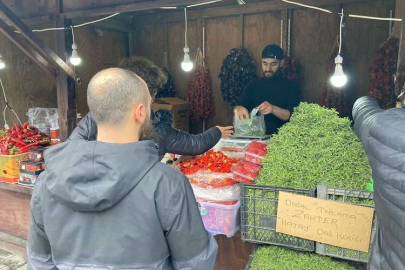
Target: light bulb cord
[[7, 105], [73, 34], [340, 33], [185, 34]]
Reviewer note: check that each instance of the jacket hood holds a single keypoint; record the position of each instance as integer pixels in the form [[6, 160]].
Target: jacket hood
[[94, 176]]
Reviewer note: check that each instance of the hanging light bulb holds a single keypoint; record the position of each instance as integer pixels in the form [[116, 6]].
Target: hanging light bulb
[[75, 58], [2, 64], [187, 65], [339, 79]]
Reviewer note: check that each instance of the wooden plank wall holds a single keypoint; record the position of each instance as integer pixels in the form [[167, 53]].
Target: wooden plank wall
[[312, 37], [28, 86], [25, 83]]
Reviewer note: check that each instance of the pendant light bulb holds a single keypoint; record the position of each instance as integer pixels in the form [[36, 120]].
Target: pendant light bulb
[[2, 64], [75, 58], [339, 79], [187, 65]]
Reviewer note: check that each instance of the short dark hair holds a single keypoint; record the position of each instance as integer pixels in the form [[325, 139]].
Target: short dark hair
[[112, 93], [153, 75], [273, 51]]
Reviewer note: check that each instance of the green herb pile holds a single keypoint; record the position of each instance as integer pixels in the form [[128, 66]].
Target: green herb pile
[[316, 146], [276, 258]]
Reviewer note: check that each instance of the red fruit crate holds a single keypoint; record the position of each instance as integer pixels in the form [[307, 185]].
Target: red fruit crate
[[255, 152], [219, 218], [245, 172]]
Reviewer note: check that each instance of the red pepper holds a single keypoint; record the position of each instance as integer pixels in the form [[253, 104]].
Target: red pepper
[[25, 126]]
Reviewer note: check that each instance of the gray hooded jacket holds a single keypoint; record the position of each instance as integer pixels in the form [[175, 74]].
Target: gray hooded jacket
[[383, 136], [114, 206]]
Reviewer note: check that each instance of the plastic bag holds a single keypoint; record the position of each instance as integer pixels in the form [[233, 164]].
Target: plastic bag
[[215, 187], [255, 126], [43, 118]]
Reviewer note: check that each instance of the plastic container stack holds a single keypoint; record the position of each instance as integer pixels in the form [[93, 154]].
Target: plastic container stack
[[32, 167]]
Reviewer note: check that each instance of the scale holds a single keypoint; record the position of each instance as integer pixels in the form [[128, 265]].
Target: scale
[[261, 138]]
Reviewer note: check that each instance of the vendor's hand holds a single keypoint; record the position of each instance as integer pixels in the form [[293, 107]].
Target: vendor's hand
[[243, 113], [266, 108], [226, 131]]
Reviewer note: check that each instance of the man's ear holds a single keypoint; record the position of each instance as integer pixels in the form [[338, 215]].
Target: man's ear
[[139, 113]]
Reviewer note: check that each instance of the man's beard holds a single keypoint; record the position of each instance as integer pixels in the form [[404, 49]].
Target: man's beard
[[147, 132], [271, 74]]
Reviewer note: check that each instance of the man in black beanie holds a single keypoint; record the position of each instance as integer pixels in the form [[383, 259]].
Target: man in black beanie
[[274, 95]]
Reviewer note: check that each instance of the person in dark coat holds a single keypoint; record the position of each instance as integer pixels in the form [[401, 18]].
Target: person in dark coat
[[110, 203], [382, 133], [168, 139]]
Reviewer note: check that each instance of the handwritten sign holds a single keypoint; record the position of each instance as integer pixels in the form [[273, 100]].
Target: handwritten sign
[[328, 222]]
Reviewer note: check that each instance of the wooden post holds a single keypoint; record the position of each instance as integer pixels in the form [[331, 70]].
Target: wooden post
[[401, 57], [242, 29], [65, 86]]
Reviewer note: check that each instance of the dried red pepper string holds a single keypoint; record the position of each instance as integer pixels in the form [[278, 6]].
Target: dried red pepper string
[[289, 69], [384, 67]]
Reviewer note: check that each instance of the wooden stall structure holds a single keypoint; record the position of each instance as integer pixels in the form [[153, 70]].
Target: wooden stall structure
[[36, 75]]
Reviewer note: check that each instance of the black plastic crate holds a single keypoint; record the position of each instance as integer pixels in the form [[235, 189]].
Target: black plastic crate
[[356, 197], [259, 217]]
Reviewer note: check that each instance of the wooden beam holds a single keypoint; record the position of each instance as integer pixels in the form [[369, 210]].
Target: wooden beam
[[66, 92], [21, 43], [252, 8], [400, 77], [140, 6], [35, 42]]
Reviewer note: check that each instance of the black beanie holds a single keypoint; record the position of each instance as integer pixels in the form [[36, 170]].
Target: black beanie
[[273, 51]]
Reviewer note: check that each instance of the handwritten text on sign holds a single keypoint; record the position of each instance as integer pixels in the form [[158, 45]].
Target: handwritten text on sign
[[324, 221]]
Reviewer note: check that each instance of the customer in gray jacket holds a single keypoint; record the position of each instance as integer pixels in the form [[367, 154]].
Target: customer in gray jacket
[[383, 136], [109, 203]]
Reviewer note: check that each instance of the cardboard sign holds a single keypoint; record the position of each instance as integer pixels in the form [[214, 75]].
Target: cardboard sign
[[180, 111], [328, 222]]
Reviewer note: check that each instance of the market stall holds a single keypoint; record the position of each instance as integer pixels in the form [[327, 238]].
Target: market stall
[[210, 52]]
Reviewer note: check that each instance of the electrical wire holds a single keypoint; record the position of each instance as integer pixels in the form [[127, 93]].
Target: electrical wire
[[307, 6], [206, 3], [375, 18], [73, 34], [340, 31], [7, 105], [185, 18], [99, 20]]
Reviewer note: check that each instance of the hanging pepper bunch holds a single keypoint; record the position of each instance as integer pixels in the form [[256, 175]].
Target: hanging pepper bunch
[[19, 139], [199, 92], [237, 70], [382, 73], [289, 69], [332, 97]]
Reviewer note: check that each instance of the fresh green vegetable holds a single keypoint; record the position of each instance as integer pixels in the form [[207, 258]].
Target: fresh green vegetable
[[316, 146], [277, 258]]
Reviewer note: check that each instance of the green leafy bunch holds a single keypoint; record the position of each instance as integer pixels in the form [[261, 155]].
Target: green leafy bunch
[[316, 146]]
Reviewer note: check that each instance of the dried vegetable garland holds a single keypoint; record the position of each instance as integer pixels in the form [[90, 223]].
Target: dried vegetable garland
[[168, 89], [199, 92], [237, 70], [289, 69], [382, 73], [332, 97]]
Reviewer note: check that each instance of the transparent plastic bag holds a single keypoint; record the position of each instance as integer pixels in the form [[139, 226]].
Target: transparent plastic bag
[[215, 187], [43, 118], [255, 126]]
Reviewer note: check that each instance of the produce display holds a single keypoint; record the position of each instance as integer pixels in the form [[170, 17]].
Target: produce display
[[199, 92], [255, 152], [332, 97], [382, 86], [245, 172], [238, 69], [289, 69], [277, 258], [19, 139], [316, 146], [211, 161]]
